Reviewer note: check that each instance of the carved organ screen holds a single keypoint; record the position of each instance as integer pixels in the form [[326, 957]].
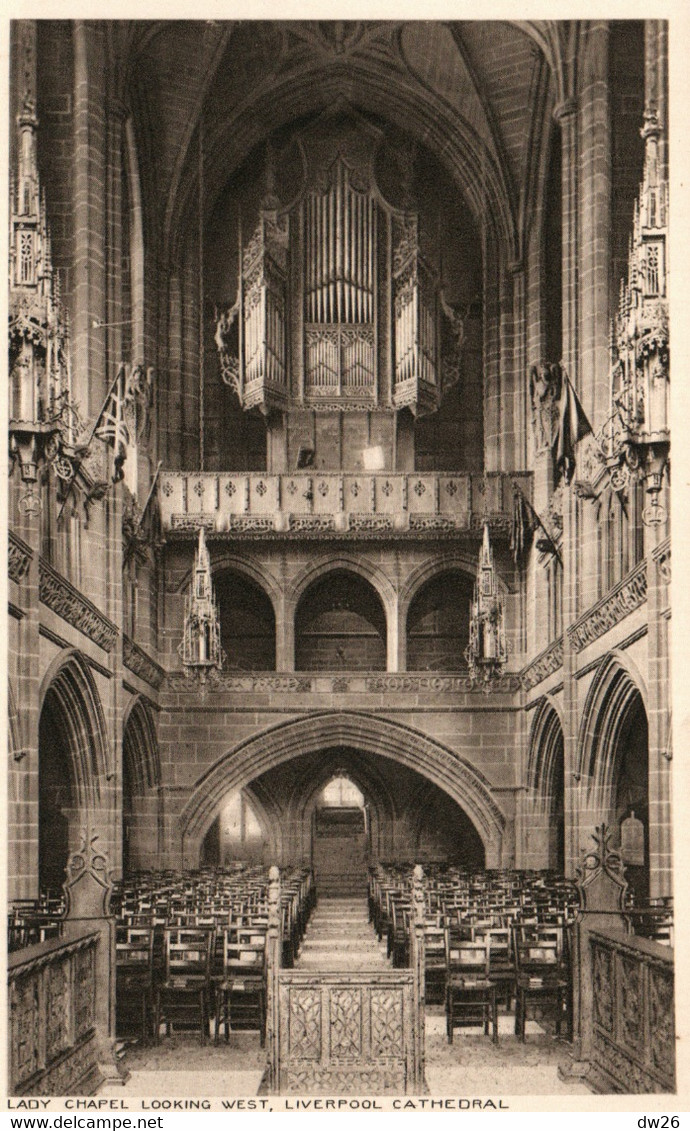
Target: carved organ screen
[[340, 304]]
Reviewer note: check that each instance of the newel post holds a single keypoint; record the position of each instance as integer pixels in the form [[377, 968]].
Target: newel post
[[602, 887], [87, 889], [417, 964], [274, 946]]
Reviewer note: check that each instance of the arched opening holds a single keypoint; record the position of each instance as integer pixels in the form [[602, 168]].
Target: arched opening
[[546, 780], [340, 624], [438, 623], [630, 800], [340, 808], [247, 622], [340, 837], [264, 760], [57, 803], [615, 756], [237, 833], [140, 779]]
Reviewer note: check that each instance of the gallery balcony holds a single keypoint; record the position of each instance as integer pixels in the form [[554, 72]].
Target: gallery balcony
[[338, 505]]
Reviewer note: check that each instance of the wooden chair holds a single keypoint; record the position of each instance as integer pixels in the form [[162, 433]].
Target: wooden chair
[[182, 998], [541, 981], [399, 934], [134, 981], [434, 964], [470, 993], [241, 991], [502, 971]]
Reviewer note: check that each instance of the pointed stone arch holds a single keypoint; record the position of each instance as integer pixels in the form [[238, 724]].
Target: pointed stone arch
[[140, 744], [71, 685], [614, 689], [141, 779], [452, 773], [545, 796], [546, 733]]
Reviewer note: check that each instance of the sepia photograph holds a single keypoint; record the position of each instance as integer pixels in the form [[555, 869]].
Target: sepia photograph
[[338, 638]]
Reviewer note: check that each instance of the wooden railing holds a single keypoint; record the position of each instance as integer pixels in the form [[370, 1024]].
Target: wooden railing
[[623, 997], [53, 1044], [633, 1032]]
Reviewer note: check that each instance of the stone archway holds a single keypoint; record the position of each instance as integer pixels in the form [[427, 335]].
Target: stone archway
[[614, 763], [545, 800], [73, 773], [452, 773], [141, 778]]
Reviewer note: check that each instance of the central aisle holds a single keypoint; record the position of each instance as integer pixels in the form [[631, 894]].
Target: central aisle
[[340, 937]]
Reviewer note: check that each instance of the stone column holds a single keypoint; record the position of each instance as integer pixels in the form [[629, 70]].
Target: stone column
[[594, 199]]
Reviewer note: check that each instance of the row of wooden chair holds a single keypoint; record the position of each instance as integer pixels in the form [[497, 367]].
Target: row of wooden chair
[[202, 975], [191, 948], [533, 970]]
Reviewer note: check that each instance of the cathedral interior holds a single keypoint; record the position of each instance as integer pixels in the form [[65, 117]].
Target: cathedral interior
[[339, 549]]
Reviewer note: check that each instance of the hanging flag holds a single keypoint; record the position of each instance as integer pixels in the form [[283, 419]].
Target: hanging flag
[[111, 426], [573, 425], [518, 526]]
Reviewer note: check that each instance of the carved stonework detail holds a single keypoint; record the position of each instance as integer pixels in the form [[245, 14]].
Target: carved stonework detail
[[88, 884], [627, 596], [545, 382], [19, 557], [662, 557], [432, 522], [192, 522], [449, 683], [140, 663], [545, 664], [224, 681], [60, 596], [371, 522], [252, 524], [311, 522]]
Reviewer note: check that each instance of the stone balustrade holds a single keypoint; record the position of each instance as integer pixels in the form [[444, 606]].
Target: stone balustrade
[[320, 504]]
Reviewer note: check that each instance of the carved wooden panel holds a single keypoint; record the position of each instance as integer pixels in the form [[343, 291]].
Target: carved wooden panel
[[57, 1008], [386, 1023], [84, 992], [662, 1038], [602, 969], [25, 1028], [346, 1033], [633, 1032], [52, 1017], [305, 1024], [630, 1002], [345, 1026]]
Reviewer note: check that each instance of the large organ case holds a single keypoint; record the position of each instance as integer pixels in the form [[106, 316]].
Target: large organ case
[[340, 304]]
